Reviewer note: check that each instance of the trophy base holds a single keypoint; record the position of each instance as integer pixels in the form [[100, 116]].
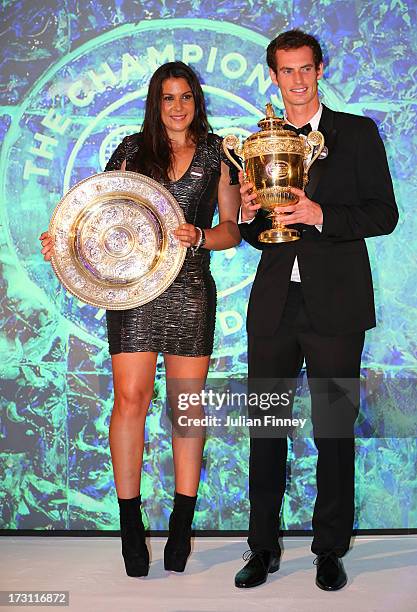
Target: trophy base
[[275, 236]]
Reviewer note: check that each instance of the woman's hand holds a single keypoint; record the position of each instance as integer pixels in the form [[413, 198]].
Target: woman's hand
[[48, 245], [187, 234]]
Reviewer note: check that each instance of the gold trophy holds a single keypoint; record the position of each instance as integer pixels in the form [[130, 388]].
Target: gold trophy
[[114, 246], [275, 159]]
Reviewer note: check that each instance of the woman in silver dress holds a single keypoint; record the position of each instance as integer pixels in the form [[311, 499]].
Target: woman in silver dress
[[175, 148]]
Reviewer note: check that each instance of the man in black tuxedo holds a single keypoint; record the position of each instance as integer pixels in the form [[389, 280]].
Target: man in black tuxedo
[[312, 299]]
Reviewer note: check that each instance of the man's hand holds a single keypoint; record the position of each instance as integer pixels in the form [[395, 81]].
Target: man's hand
[[305, 211], [248, 206]]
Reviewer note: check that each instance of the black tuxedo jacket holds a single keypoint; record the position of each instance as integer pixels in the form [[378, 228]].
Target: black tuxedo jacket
[[354, 189]]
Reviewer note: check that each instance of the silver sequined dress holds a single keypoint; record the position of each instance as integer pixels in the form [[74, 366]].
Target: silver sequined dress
[[181, 320]]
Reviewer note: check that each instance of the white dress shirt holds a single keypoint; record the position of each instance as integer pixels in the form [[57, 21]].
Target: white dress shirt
[[314, 122]]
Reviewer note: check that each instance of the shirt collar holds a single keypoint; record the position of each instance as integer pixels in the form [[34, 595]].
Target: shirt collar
[[314, 121]]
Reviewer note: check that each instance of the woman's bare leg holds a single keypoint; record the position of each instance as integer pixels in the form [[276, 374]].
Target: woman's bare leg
[[186, 375], [133, 381]]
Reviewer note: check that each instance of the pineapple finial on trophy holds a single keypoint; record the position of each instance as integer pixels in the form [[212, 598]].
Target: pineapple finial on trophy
[[270, 113]]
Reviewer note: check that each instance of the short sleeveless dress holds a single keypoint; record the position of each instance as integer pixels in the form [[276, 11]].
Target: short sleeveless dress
[[181, 320]]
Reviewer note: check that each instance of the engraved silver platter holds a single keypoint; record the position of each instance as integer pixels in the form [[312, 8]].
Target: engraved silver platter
[[113, 241]]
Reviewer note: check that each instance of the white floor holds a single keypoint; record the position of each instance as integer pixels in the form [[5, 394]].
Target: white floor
[[382, 575]]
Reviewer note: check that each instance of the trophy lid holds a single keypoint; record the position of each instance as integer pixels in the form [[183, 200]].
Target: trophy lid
[[271, 122], [271, 138]]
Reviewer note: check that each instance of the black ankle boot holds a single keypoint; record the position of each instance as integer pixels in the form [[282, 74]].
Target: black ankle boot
[[134, 550], [178, 546]]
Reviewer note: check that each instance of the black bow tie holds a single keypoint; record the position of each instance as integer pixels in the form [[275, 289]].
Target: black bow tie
[[306, 129]]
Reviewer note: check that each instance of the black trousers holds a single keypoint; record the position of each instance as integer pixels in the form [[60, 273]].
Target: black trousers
[[331, 361]]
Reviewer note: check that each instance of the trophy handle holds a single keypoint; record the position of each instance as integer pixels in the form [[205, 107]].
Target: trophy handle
[[231, 143], [314, 139]]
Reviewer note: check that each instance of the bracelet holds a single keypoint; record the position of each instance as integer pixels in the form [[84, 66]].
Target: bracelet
[[195, 247]]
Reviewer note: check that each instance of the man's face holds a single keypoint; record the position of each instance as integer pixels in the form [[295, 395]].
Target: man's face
[[296, 76]]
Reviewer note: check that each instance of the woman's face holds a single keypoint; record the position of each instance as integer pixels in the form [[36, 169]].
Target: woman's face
[[177, 105]]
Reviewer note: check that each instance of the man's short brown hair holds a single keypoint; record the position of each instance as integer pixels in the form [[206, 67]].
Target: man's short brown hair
[[293, 39]]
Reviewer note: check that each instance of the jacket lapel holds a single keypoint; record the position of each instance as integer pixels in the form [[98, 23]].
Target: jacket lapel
[[326, 127]]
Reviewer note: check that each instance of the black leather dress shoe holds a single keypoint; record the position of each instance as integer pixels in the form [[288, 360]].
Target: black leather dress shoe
[[331, 575], [255, 572]]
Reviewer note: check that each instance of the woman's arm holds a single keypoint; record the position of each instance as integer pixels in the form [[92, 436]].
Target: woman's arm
[[118, 157], [226, 234]]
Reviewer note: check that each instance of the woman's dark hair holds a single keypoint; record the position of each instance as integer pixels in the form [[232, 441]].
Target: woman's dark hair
[[154, 157], [293, 39]]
